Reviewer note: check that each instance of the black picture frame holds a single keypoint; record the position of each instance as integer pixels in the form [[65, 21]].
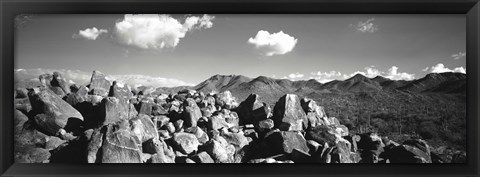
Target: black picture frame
[[10, 8]]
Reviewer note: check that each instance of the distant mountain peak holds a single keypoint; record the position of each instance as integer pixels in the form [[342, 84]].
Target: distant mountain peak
[[358, 77]]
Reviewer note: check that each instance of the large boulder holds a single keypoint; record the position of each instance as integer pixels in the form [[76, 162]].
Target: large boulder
[[145, 107], [411, 151], [252, 110], [199, 133], [288, 114], [202, 157], [28, 143], [119, 90], [186, 142], [59, 81], [113, 110], [143, 128], [114, 144], [226, 100], [370, 145], [322, 135], [164, 153], [99, 85], [310, 105], [23, 104], [191, 113], [219, 121], [283, 142], [58, 113], [220, 152], [237, 139], [46, 80]]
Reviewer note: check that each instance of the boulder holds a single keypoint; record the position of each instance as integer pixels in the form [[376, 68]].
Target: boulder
[[199, 133], [145, 107], [283, 142], [120, 147], [58, 113], [310, 105], [252, 111], [219, 121], [170, 127], [164, 155], [113, 110], [370, 145], [94, 145], [186, 142], [265, 125], [143, 128], [178, 125], [411, 151], [314, 120], [161, 121], [219, 152], [288, 114], [191, 113], [322, 135], [202, 157], [99, 85], [19, 121], [59, 81], [46, 81], [21, 93], [158, 110], [53, 142], [28, 142], [341, 152], [237, 139], [226, 100], [120, 91], [32, 155], [23, 104]]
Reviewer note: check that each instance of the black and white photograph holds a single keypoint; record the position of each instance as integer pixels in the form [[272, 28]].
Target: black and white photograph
[[240, 88]]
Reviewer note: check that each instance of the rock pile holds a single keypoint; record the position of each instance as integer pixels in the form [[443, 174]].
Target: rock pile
[[106, 122]]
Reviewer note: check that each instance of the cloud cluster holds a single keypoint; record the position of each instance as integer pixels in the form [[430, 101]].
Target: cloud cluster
[[273, 44], [89, 33], [152, 31], [459, 55], [371, 72], [294, 76], [440, 68], [83, 78], [325, 76], [392, 73], [136, 80], [366, 26]]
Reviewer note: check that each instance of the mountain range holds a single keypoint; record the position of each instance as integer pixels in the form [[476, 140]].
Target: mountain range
[[241, 86]]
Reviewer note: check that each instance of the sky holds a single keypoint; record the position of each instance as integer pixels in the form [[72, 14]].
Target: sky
[[178, 49]]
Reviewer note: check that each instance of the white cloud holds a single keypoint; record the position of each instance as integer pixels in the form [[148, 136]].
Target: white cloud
[[294, 76], [273, 44], [459, 55], [144, 80], [89, 33], [440, 68], [325, 76], [392, 73], [83, 78], [152, 31], [425, 69], [366, 26]]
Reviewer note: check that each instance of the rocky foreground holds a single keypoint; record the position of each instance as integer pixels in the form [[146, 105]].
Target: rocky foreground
[[106, 122]]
